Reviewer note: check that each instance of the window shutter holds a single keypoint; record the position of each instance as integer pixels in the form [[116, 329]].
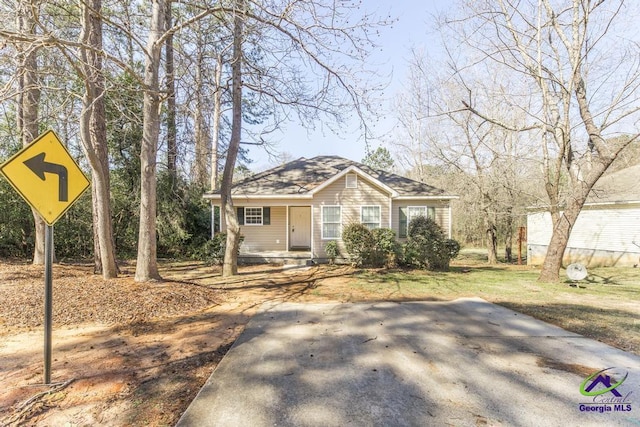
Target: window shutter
[[402, 231], [240, 212], [266, 216]]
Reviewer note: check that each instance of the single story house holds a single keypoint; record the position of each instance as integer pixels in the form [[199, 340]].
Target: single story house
[[300, 206], [607, 231]]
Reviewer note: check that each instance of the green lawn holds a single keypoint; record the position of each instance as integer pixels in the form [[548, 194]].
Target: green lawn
[[605, 306]]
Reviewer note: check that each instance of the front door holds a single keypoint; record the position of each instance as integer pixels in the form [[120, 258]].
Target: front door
[[300, 227]]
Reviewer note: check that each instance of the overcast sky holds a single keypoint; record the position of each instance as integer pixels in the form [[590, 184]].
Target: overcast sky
[[410, 31]]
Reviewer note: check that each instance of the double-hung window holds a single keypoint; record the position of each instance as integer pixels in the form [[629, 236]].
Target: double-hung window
[[253, 216], [410, 212], [370, 216], [331, 222], [416, 211]]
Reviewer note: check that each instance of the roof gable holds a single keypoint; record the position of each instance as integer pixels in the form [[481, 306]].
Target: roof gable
[[619, 186], [304, 177], [359, 172]]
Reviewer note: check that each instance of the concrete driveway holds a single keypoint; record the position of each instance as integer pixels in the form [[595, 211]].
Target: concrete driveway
[[461, 363]]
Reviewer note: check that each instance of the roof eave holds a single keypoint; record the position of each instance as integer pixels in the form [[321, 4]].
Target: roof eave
[[260, 196], [439, 197], [536, 209]]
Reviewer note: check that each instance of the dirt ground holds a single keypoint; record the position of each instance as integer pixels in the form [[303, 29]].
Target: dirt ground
[[126, 353]]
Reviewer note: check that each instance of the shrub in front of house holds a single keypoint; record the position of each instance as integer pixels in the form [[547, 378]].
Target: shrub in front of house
[[427, 247], [386, 249], [370, 248], [359, 243], [213, 251], [332, 251]]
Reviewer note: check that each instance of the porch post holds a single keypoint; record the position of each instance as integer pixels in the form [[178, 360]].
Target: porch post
[[213, 219], [287, 232], [313, 246]]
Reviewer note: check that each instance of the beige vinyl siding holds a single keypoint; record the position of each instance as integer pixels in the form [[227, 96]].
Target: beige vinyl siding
[[258, 238], [350, 200], [441, 207]]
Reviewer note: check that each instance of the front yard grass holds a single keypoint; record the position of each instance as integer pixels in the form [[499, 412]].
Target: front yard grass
[[605, 306]]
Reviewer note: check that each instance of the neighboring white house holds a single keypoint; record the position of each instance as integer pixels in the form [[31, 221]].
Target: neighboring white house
[[607, 231]]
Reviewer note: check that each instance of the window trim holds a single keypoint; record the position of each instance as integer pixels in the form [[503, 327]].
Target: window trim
[[248, 224], [354, 181], [410, 217], [379, 215], [322, 222], [429, 210]]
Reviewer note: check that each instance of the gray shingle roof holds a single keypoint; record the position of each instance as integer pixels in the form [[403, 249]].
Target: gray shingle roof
[[620, 186], [303, 175]]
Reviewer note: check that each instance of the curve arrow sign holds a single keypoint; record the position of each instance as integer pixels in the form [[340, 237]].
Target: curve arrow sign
[[38, 166]]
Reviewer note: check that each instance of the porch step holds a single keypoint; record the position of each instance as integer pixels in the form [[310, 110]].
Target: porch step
[[285, 258], [298, 261]]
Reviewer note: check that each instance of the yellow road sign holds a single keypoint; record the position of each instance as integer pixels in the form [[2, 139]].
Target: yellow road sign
[[46, 176]]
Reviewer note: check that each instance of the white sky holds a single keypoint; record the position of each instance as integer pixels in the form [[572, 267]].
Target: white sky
[[410, 31]]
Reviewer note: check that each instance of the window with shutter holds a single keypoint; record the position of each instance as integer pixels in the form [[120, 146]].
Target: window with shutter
[[253, 216]]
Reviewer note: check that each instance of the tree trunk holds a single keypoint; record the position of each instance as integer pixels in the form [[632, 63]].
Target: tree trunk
[[93, 134], [581, 185], [147, 264], [97, 259], [172, 143], [553, 260], [217, 113], [508, 238], [230, 265], [201, 132], [490, 229], [28, 102], [492, 243]]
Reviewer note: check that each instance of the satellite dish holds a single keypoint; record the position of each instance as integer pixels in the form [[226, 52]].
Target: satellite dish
[[576, 271]]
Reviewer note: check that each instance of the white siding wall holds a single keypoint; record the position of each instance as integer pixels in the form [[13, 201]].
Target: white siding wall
[[600, 236]]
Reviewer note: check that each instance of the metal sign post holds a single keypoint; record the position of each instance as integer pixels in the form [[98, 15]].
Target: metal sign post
[[48, 300], [49, 179]]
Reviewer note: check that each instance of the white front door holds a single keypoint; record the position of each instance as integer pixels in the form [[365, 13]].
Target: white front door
[[300, 227]]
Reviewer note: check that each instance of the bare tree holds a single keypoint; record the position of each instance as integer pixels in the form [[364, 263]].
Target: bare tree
[[201, 131], [323, 36], [455, 149], [93, 134], [230, 265], [215, 130], [29, 98], [147, 265], [583, 92], [172, 143]]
